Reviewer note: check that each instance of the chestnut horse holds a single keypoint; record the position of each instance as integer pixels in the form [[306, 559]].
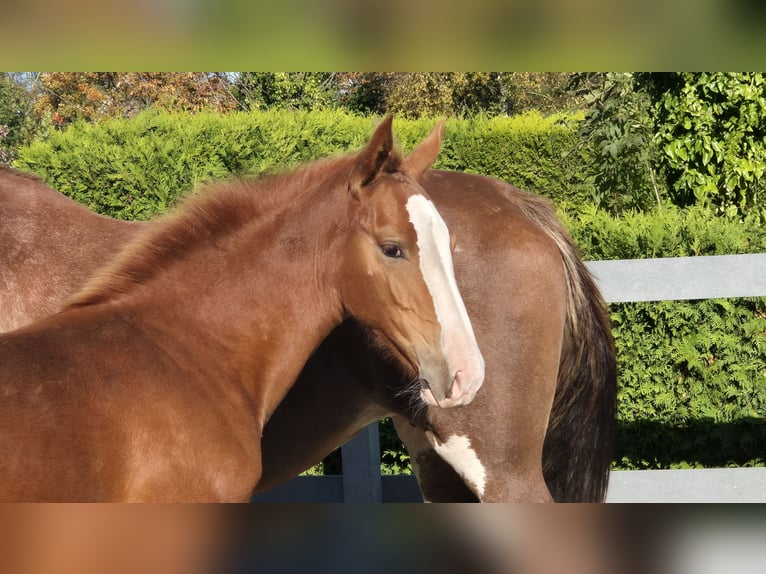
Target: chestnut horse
[[156, 379], [544, 420]]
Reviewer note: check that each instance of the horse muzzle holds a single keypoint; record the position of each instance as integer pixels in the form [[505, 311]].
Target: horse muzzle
[[454, 390]]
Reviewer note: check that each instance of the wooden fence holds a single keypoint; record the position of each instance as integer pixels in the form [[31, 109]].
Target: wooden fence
[[620, 281]]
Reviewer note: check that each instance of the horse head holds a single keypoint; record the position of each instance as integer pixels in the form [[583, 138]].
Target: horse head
[[399, 280]]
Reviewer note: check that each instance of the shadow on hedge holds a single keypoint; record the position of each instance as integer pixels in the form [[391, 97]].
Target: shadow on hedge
[[704, 443]]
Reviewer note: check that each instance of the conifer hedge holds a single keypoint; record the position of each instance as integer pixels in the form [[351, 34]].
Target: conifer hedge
[[135, 168], [692, 374]]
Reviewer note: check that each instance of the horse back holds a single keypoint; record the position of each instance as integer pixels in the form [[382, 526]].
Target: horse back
[[51, 418], [519, 247], [41, 237], [500, 245]]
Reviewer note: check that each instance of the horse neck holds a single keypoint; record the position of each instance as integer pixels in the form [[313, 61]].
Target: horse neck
[[258, 303]]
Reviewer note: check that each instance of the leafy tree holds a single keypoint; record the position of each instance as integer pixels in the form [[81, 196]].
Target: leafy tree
[[693, 138], [457, 93], [364, 92], [416, 94], [288, 90], [618, 132], [65, 96], [16, 126], [544, 91], [711, 128]]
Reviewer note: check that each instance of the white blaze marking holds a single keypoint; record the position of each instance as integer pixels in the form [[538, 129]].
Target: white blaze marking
[[436, 266], [458, 453]]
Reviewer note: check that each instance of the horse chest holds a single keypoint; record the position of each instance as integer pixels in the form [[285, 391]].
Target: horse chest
[[206, 457], [179, 474], [459, 453]]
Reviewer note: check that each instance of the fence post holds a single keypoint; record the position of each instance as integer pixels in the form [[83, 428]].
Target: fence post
[[361, 467]]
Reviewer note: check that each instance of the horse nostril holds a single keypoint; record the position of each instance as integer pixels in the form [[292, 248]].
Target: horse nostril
[[448, 394]]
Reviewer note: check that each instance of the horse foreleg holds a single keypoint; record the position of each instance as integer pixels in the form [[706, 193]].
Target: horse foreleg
[[438, 481]]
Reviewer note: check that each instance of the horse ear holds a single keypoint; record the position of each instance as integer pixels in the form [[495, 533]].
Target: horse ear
[[425, 154], [374, 157]]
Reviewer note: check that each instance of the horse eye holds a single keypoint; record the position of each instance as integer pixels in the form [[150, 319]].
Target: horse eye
[[392, 250]]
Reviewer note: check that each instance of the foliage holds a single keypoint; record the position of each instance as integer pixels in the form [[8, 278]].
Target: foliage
[[418, 94], [463, 94], [688, 364], [692, 375], [15, 125], [666, 232], [690, 138], [712, 130], [548, 92], [647, 137], [316, 470], [618, 132], [91, 96], [288, 90], [394, 458], [135, 168], [530, 150], [63, 97]]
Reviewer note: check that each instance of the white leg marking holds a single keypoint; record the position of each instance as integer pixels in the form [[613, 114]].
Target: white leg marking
[[458, 453]]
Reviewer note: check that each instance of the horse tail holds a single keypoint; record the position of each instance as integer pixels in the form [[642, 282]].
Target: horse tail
[[579, 442]]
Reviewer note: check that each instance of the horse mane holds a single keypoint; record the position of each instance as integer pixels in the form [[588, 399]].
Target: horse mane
[[215, 211]]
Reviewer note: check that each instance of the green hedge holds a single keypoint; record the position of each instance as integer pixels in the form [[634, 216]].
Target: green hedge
[[134, 169], [692, 374]]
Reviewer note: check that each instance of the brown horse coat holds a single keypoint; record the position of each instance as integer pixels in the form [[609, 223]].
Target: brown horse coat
[[156, 379], [517, 270]]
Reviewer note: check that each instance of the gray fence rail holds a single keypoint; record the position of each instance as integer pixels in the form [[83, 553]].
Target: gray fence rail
[[620, 281]]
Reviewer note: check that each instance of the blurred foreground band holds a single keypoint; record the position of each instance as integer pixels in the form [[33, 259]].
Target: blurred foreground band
[[447, 539]]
